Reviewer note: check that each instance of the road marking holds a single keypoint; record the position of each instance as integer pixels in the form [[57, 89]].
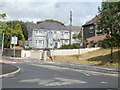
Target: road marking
[[54, 81], [86, 72], [104, 82], [8, 61]]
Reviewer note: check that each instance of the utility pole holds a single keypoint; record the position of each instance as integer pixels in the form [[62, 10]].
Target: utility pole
[[70, 18], [2, 44], [70, 25]]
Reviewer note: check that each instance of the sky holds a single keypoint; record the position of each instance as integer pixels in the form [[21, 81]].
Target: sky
[[34, 10]]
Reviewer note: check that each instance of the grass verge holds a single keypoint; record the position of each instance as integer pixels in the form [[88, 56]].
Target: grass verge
[[99, 57]]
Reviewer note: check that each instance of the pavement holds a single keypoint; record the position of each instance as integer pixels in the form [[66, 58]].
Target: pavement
[[8, 70], [61, 64]]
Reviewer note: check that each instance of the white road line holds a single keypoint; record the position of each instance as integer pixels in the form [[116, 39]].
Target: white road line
[[53, 81], [104, 82], [86, 72]]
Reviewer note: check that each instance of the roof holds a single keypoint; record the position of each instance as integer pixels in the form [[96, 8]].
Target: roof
[[93, 20], [96, 38], [50, 26], [75, 28]]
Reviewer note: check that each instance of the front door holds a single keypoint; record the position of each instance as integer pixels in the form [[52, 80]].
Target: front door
[[56, 45]]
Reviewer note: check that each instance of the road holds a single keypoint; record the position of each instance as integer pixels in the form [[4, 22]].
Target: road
[[43, 75]]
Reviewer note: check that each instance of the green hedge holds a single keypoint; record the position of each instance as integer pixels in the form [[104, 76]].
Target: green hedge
[[73, 46], [106, 43]]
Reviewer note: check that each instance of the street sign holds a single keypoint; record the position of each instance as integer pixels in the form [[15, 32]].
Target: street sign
[[14, 40]]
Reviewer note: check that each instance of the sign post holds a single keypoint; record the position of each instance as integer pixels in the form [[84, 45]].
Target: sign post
[[14, 41], [2, 44]]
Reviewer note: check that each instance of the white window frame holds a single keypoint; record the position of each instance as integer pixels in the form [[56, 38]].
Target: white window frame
[[91, 29], [39, 32], [39, 42]]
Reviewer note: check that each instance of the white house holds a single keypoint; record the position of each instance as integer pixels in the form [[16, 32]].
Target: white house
[[75, 30], [49, 35]]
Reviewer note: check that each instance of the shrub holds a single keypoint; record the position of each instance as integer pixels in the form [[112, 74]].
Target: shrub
[[106, 43], [73, 46]]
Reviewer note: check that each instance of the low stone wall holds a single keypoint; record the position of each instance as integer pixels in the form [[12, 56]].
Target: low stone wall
[[25, 53], [72, 51], [10, 52], [37, 54]]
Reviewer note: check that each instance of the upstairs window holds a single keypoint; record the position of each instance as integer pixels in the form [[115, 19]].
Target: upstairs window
[[39, 32], [91, 29]]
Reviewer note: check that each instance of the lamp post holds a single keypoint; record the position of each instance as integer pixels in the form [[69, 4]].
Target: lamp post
[[2, 44]]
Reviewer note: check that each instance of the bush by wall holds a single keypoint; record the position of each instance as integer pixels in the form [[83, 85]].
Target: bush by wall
[[73, 46], [106, 43]]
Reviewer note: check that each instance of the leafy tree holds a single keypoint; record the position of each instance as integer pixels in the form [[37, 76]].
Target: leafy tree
[[23, 25], [2, 16], [9, 32], [17, 31], [50, 21], [109, 22]]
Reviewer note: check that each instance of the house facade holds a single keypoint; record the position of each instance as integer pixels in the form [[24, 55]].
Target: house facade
[[75, 30], [91, 34], [49, 35]]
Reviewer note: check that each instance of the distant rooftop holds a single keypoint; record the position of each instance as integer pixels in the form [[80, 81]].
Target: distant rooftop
[[93, 20], [75, 28], [50, 26]]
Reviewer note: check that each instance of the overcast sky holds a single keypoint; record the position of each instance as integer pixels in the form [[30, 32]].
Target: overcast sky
[[38, 11]]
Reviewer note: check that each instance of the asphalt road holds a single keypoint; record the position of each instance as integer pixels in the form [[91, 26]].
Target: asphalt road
[[7, 68], [49, 76]]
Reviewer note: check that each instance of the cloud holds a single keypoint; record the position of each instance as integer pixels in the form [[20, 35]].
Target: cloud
[[36, 11]]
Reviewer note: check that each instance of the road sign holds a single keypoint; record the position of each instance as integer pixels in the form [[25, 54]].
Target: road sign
[[14, 40]]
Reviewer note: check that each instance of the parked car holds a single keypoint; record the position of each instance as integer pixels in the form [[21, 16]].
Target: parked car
[[27, 47]]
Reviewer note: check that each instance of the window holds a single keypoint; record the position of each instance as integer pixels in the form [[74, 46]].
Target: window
[[66, 35], [91, 29], [54, 32], [39, 32], [51, 44], [66, 32], [66, 42], [39, 42], [36, 32]]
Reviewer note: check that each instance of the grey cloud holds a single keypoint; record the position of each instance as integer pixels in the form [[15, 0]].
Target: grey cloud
[[37, 11]]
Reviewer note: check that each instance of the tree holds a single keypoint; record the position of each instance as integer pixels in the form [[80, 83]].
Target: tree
[[2, 16], [9, 32], [23, 25], [50, 21], [17, 31], [109, 22]]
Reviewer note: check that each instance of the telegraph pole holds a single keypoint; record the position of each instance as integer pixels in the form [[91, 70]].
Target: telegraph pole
[[70, 25], [70, 18]]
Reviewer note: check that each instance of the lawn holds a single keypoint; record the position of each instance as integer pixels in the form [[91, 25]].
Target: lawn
[[98, 57]]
